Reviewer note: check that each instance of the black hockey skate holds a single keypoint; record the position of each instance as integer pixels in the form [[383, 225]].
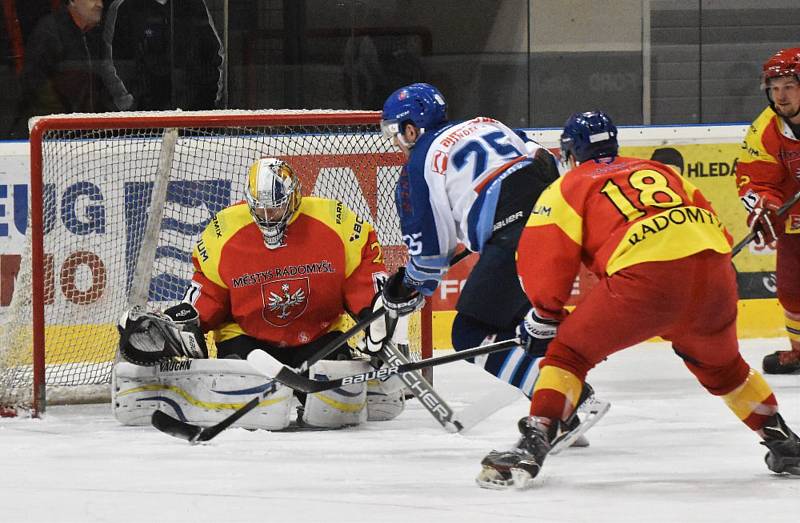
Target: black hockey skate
[[781, 362], [520, 465], [783, 445]]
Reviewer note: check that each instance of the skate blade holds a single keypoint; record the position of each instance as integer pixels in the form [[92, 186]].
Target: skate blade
[[593, 410], [522, 479], [491, 478]]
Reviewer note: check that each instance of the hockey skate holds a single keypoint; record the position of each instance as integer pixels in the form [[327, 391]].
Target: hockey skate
[[782, 362], [520, 465], [783, 445], [571, 432]]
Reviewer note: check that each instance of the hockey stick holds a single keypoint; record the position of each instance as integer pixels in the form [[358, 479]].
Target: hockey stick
[[270, 367], [197, 434], [751, 235], [420, 387]]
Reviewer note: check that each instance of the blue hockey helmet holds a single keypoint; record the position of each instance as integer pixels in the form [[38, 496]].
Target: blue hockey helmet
[[421, 104], [589, 135]]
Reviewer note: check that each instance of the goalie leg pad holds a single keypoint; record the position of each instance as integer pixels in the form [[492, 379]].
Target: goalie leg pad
[[201, 392], [340, 407], [384, 402]]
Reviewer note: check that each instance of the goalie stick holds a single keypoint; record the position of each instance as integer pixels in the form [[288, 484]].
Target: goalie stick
[[197, 434], [270, 367], [751, 235]]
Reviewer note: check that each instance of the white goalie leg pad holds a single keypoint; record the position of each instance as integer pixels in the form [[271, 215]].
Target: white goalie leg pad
[[201, 392], [338, 407], [384, 401]]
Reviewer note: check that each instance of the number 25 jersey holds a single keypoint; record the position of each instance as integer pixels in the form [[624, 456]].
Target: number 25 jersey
[[611, 215]]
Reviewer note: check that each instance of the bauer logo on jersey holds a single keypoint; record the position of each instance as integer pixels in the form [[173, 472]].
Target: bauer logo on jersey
[[439, 162], [284, 300]]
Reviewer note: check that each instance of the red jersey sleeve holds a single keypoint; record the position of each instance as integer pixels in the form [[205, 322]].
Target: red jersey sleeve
[[762, 169], [365, 269], [549, 252]]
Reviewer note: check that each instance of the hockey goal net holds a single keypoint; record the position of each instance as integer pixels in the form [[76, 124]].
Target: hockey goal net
[[117, 203]]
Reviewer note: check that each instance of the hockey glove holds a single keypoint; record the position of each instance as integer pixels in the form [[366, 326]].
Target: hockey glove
[[376, 332], [535, 332], [400, 297], [764, 221], [147, 338]]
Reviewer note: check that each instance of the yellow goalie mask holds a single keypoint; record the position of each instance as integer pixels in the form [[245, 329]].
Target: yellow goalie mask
[[273, 195]]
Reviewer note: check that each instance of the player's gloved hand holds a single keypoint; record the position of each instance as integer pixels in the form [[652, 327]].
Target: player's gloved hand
[[147, 338], [376, 332], [764, 221], [400, 297], [535, 332]]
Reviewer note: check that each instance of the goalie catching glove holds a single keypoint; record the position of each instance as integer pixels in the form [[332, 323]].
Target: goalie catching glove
[[147, 338], [535, 332], [400, 297]]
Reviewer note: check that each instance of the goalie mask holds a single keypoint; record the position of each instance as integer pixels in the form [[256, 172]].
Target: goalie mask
[[273, 195]]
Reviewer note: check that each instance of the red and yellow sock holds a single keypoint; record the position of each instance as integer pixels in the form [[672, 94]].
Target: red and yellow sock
[[556, 393], [752, 401]]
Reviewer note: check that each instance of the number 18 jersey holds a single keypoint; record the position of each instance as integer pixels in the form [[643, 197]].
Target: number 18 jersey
[[611, 215]]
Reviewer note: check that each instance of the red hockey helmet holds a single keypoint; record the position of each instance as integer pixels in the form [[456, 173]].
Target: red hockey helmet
[[785, 62]]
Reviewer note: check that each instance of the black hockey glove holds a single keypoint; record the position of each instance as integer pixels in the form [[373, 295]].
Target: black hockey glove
[[147, 338], [535, 333], [399, 297]]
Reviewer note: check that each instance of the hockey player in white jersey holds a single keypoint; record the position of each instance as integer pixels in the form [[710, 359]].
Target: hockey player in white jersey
[[472, 182]]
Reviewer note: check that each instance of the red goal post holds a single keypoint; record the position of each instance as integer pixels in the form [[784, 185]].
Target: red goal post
[[117, 201]]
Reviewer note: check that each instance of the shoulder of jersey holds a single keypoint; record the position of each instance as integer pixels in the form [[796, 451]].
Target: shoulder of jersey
[[329, 211], [762, 121], [228, 222]]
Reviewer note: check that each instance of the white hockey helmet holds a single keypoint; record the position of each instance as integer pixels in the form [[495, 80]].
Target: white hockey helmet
[[273, 195]]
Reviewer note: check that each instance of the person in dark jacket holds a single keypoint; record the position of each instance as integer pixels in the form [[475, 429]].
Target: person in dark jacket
[[166, 54], [64, 68]]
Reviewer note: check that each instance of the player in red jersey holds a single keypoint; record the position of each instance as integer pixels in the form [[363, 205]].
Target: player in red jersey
[[277, 271], [281, 273], [664, 267], [768, 176]]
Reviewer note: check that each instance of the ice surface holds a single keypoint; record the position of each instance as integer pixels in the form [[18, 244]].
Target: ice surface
[[666, 452]]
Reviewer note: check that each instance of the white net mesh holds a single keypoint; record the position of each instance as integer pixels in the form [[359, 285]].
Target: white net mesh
[[122, 208]]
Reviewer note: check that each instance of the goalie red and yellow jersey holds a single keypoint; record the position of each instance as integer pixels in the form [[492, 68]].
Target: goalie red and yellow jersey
[[609, 216], [770, 163], [331, 264]]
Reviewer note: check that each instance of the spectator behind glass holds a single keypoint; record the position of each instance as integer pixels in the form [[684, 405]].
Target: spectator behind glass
[[166, 55], [63, 68]]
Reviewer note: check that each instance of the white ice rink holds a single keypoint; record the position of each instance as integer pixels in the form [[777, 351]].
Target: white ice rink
[[666, 452]]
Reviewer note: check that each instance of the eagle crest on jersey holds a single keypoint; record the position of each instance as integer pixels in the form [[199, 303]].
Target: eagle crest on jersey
[[285, 300]]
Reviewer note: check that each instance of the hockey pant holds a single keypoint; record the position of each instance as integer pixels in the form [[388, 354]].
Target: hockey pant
[[691, 302]]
